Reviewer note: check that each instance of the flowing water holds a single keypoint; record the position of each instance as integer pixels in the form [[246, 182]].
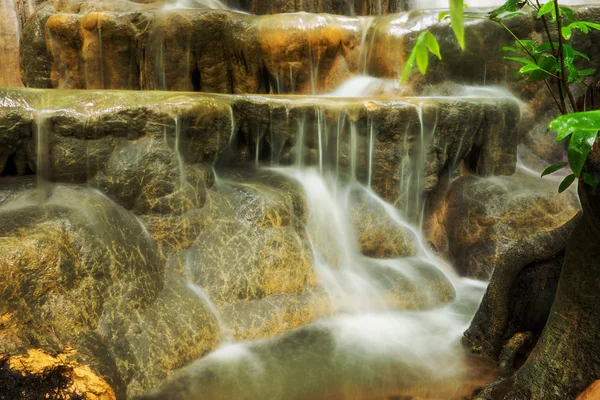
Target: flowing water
[[368, 348], [371, 345]]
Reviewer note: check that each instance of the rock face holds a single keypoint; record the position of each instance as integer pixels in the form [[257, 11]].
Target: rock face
[[147, 152], [96, 46], [83, 275], [344, 7], [126, 45], [487, 219]]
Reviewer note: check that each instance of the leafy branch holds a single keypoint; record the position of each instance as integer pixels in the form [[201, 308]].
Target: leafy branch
[[552, 60]]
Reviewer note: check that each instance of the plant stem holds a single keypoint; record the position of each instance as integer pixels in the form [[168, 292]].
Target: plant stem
[[562, 107], [554, 97], [561, 54], [547, 31]]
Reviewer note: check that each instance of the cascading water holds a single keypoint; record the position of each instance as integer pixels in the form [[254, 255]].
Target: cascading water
[[368, 348], [260, 207]]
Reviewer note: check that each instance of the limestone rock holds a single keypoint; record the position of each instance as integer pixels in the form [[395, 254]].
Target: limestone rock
[[83, 274], [393, 145], [83, 380], [378, 234], [488, 218], [220, 51], [251, 248]]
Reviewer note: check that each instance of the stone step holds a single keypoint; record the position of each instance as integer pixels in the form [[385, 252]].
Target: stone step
[[228, 52], [381, 143]]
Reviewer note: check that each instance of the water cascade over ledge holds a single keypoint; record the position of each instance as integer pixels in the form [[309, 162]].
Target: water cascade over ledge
[[198, 201]]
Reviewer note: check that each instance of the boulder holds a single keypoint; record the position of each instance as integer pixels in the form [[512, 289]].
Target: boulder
[[381, 235], [86, 280], [252, 246], [488, 218]]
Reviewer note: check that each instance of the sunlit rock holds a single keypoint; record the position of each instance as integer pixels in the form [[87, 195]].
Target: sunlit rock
[[83, 381], [252, 248], [591, 393], [82, 273]]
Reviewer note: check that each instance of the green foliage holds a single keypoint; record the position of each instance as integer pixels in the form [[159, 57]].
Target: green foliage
[[508, 9], [568, 181], [426, 43], [582, 130], [553, 168], [457, 21], [548, 8], [545, 61]]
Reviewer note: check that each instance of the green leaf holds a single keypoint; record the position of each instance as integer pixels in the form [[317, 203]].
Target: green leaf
[[579, 54], [587, 72], [579, 147], [568, 181], [546, 46], [443, 15], [581, 26], [591, 179], [409, 65], [520, 59], [569, 53], [566, 32], [530, 44], [457, 21], [511, 15], [432, 44], [587, 120], [567, 12], [510, 5], [562, 135], [410, 62], [592, 25], [553, 168], [422, 58], [529, 68], [546, 8], [508, 48], [549, 65]]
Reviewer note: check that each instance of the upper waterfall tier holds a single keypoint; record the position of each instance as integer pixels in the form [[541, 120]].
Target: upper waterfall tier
[[341, 7], [228, 52]]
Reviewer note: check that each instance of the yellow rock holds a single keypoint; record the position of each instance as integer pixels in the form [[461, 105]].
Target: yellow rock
[[84, 380]]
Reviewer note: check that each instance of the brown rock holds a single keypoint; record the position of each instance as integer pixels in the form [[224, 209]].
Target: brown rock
[[487, 218]]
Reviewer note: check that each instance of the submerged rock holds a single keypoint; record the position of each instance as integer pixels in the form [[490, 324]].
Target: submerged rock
[[252, 246]]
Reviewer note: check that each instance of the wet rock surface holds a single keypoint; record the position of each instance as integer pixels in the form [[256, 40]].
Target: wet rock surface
[[487, 219], [81, 273], [138, 149], [227, 52]]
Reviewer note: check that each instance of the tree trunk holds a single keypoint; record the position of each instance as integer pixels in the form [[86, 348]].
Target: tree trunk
[[566, 358]]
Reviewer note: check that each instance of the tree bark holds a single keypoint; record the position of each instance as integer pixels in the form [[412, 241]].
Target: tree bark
[[566, 359]]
